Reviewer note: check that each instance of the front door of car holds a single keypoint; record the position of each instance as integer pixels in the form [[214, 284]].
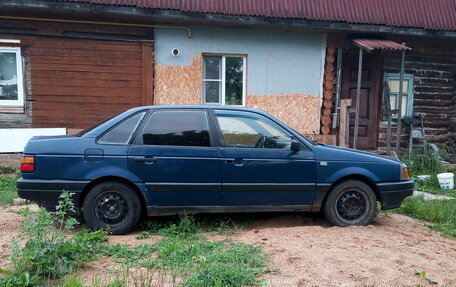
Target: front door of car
[[258, 166], [172, 154]]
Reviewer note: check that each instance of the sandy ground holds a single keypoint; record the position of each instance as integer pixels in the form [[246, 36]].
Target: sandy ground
[[306, 251]]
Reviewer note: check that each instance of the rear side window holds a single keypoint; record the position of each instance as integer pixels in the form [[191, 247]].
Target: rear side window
[[176, 128], [122, 132]]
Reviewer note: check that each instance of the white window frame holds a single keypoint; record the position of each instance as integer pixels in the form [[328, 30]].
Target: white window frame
[[223, 79], [20, 84]]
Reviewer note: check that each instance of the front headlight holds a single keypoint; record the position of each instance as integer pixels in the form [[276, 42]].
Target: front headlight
[[404, 172]]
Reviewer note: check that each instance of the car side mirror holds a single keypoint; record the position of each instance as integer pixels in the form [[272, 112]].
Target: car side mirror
[[295, 145]]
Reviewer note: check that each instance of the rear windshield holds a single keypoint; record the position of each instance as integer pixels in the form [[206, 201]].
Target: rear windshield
[[83, 132]]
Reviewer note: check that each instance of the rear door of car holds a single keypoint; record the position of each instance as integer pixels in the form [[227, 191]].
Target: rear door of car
[[174, 155], [258, 166]]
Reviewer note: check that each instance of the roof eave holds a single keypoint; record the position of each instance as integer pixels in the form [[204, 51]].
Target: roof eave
[[175, 16]]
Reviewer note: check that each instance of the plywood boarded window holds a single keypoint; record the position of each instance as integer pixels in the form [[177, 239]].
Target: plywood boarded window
[[11, 85], [224, 80]]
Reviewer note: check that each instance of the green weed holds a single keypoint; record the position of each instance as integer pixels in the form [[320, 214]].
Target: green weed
[[441, 213], [44, 250], [9, 170], [428, 163], [422, 274], [7, 190]]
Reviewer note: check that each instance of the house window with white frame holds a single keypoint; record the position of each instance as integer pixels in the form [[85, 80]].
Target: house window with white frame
[[224, 80], [11, 87], [393, 81]]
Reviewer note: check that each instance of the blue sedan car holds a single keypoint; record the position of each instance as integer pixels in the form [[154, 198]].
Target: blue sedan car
[[199, 159]]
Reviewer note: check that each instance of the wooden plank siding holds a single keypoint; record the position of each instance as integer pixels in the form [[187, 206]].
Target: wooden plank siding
[[77, 82]]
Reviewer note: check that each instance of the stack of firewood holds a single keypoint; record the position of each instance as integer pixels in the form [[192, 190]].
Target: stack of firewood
[[329, 88]]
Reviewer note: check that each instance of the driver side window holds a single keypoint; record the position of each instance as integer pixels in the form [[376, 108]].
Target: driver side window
[[249, 130]]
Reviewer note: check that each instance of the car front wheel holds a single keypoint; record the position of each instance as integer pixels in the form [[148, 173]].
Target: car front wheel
[[351, 202], [112, 206]]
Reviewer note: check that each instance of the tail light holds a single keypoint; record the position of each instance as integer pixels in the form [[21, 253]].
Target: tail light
[[27, 164]]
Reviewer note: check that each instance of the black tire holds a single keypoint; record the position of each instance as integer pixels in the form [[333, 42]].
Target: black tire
[[112, 206], [351, 202]]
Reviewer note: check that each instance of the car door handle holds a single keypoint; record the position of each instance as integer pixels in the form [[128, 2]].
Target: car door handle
[[235, 161], [145, 159]]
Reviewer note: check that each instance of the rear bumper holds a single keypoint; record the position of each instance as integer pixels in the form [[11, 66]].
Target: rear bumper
[[46, 192], [392, 194]]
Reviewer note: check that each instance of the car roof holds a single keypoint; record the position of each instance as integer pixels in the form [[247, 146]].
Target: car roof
[[218, 107], [215, 107]]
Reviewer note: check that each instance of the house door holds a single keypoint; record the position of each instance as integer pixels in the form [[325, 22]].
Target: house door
[[369, 97]]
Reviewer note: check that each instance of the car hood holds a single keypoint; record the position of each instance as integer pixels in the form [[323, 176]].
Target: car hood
[[336, 153]]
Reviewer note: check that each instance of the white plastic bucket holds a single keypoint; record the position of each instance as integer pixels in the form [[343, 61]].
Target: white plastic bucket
[[446, 180]]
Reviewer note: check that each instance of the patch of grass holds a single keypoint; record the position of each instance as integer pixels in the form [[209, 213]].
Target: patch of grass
[[441, 213], [76, 282], [188, 255], [137, 256], [7, 190], [46, 252], [212, 263], [190, 258], [221, 224]]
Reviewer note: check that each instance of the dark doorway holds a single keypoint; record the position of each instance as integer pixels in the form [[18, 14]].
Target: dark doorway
[[371, 80]]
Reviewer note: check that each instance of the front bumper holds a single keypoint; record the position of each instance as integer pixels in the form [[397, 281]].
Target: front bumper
[[46, 192], [392, 194]]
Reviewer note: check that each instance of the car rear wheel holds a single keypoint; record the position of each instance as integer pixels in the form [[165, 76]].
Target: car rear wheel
[[351, 202], [112, 206]]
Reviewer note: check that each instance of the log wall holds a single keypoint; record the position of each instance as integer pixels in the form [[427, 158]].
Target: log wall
[[434, 71]]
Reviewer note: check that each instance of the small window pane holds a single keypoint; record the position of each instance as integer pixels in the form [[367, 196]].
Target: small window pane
[[394, 86], [122, 133], [177, 128], [395, 105], [212, 92], [8, 76], [248, 130], [234, 80], [213, 68], [393, 102]]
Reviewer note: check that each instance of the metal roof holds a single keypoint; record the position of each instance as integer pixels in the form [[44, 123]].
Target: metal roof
[[427, 14], [379, 44]]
